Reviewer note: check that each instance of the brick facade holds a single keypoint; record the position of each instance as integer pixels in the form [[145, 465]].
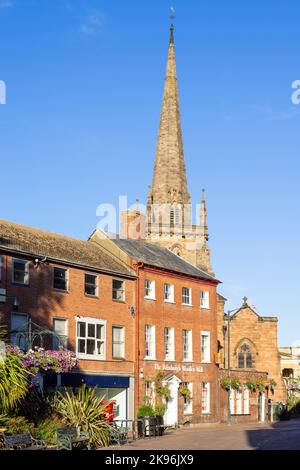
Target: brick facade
[[177, 316], [43, 304]]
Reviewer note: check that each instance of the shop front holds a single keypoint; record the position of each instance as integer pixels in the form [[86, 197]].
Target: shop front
[[118, 389]]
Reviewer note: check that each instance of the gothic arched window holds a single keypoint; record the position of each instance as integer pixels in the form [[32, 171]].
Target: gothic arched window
[[245, 359]]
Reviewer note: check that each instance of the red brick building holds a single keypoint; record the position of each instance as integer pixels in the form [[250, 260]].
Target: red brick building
[[85, 295], [176, 311]]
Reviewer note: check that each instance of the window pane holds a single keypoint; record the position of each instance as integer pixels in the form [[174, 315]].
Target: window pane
[[90, 346], [91, 330], [118, 290], [249, 361], [60, 326], [117, 284], [241, 361], [81, 346], [90, 284], [60, 279], [100, 348], [81, 329], [100, 331]]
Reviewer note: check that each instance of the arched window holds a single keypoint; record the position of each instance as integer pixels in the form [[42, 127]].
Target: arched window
[[245, 359]]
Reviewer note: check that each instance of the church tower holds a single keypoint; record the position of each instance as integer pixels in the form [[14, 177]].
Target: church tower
[[169, 209], [168, 219]]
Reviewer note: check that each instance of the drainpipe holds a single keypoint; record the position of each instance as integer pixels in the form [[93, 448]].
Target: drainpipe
[[137, 267]]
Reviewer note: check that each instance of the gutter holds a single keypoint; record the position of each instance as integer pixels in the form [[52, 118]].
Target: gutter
[[70, 263]]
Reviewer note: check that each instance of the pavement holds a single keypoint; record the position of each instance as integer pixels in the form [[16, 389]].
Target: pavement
[[284, 435]]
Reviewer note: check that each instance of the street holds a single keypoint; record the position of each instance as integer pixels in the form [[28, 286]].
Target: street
[[284, 435]]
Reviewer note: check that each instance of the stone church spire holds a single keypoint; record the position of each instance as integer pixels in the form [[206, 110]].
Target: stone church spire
[[169, 185]]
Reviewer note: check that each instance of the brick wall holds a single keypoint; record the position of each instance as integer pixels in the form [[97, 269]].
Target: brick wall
[[42, 303], [177, 316]]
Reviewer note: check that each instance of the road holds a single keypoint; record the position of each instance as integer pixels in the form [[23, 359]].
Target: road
[[279, 436]]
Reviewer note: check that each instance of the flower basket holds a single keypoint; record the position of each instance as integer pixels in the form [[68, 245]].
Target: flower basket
[[225, 383]]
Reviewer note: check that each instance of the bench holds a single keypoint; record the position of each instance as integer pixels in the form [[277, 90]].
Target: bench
[[70, 439], [118, 434], [23, 442]]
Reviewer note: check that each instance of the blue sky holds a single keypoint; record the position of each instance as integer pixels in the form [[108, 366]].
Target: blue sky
[[84, 86]]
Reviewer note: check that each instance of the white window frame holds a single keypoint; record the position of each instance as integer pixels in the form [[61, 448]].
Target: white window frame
[[152, 355], [188, 404], [26, 263], [205, 387], [66, 279], [169, 297], [189, 295], [122, 343], [94, 321], [232, 400], [150, 289], [205, 300], [238, 402], [189, 344], [246, 401], [64, 337], [123, 290], [96, 285], [169, 343], [205, 355]]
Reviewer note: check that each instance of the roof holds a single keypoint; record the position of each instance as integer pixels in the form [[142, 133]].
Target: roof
[[159, 257], [36, 242]]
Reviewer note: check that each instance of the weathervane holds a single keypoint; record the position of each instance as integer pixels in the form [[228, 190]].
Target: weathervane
[[172, 10]]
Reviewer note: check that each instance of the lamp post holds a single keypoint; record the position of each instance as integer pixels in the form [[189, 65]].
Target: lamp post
[[228, 361]]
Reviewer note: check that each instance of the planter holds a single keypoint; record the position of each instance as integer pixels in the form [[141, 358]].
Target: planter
[[160, 422], [147, 426]]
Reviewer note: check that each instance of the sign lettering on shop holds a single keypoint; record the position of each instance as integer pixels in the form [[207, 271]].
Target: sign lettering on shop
[[177, 368]]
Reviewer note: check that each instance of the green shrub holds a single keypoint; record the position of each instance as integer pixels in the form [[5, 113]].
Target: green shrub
[[14, 379], [17, 425], [46, 430], [145, 411], [160, 410], [84, 411]]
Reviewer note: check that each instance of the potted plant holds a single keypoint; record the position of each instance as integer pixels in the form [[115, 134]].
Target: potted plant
[[272, 385], [162, 390], [225, 383], [185, 392], [251, 385], [159, 412], [235, 384], [260, 385], [146, 421]]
